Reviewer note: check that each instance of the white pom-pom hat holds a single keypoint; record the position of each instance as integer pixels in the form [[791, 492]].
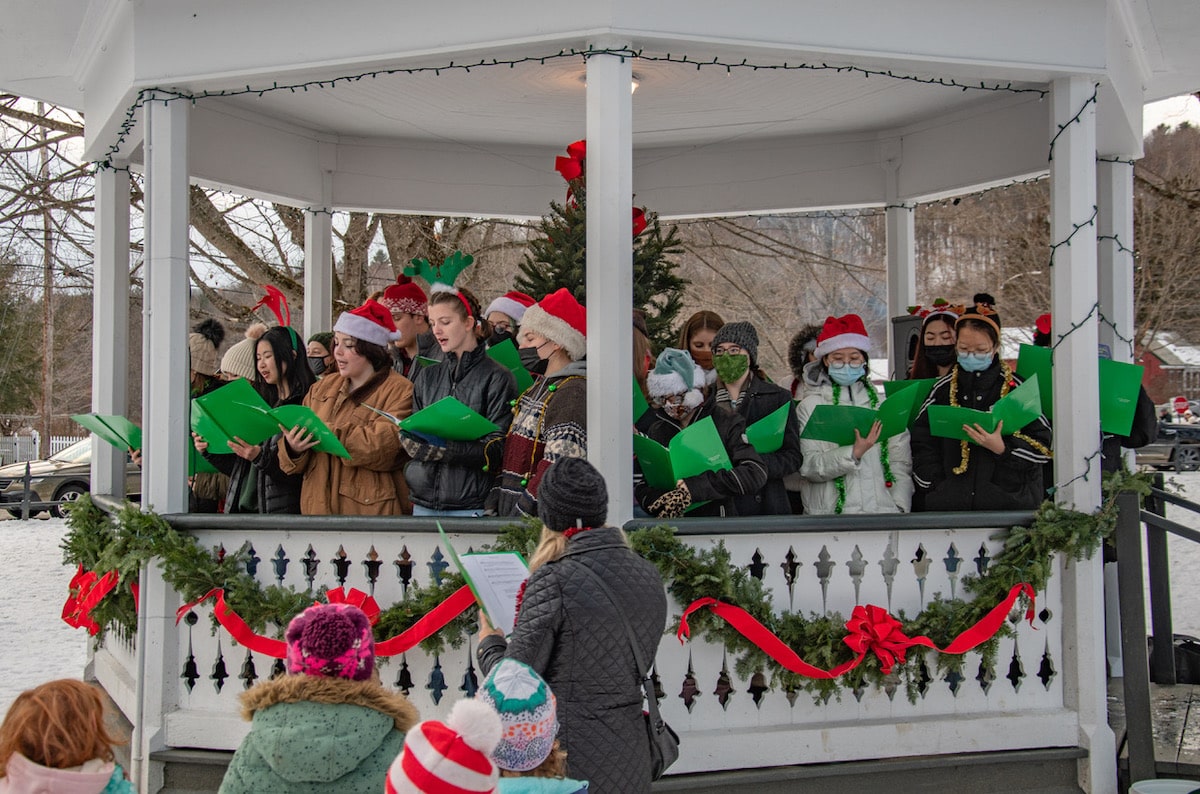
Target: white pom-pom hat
[[450, 756]]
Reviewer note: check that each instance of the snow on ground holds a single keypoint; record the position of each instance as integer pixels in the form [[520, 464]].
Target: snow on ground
[[37, 646]]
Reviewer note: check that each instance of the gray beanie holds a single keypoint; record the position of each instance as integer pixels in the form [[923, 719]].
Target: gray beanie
[[572, 493], [741, 334]]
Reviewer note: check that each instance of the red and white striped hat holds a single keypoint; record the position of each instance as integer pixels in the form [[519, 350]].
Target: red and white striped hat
[[449, 758]]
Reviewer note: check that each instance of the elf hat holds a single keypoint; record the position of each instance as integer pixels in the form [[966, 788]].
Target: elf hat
[[331, 641], [527, 710], [561, 319], [405, 297], [839, 332], [512, 303], [450, 756], [371, 322], [676, 372]]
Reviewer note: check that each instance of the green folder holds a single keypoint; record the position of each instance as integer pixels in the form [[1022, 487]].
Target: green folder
[[1016, 409], [923, 386], [506, 354], [766, 435], [231, 411], [450, 419], [116, 430], [198, 464], [837, 423], [426, 361], [1119, 385], [290, 416], [640, 406], [695, 449]]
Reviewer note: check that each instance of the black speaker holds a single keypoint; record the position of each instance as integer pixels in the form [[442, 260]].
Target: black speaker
[[906, 330]]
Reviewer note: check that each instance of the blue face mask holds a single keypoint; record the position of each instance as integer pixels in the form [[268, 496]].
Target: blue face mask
[[975, 362], [845, 374]]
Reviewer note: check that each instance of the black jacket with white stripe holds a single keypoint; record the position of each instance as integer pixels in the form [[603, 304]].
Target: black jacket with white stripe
[[1010, 481]]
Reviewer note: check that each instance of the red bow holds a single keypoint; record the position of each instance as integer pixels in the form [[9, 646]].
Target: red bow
[[356, 598], [639, 221], [873, 629], [86, 591], [276, 301], [571, 166]]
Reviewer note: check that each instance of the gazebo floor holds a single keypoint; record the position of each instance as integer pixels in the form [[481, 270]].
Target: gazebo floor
[[1176, 724]]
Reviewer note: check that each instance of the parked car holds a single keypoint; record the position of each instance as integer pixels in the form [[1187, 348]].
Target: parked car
[[1176, 447], [59, 479]]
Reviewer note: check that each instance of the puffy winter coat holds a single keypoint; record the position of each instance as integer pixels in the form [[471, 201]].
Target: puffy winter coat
[[275, 492], [719, 489], [457, 476], [1010, 481], [759, 399], [22, 776], [315, 735], [371, 482], [867, 489], [572, 635]]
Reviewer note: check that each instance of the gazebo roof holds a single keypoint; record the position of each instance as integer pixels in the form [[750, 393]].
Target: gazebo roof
[[947, 95]]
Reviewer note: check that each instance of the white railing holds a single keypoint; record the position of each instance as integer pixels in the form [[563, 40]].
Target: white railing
[[1017, 704]]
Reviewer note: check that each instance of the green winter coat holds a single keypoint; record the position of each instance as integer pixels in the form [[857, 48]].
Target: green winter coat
[[310, 734]]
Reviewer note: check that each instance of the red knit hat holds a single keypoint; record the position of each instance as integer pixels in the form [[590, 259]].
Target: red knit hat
[[839, 332], [561, 319], [405, 297], [371, 322], [450, 756]]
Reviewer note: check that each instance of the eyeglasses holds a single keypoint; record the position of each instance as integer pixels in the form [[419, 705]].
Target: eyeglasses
[[853, 359], [728, 348]]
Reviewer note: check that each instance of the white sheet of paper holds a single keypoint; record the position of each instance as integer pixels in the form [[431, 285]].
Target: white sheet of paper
[[496, 579]]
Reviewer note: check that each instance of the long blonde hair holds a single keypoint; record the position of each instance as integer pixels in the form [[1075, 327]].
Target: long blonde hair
[[552, 545]]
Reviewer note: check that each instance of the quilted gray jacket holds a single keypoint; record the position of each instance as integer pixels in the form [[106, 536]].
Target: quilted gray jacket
[[571, 633]]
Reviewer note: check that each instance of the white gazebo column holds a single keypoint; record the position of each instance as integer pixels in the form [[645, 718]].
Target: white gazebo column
[[165, 410], [110, 321], [1114, 230], [610, 277], [1077, 412], [318, 261], [901, 238]]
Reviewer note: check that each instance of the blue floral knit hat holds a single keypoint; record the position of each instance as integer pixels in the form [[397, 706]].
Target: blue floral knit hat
[[527, 711]]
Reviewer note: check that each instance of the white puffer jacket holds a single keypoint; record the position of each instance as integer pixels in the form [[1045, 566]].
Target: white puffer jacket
[[824, 461]]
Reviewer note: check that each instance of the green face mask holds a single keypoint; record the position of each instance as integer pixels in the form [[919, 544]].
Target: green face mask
[[731, 366]]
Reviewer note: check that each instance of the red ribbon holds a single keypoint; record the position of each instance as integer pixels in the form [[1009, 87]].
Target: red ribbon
[[571, 166], [356, 598], [86, 591], [870, 630], [639, 221], [426, 627]]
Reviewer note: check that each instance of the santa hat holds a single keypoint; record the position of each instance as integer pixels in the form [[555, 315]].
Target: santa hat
[[527, 710], [839, 332], [512, 303], [371, 322], [561, 319], [676, 372], [450, 756], [405, 297]]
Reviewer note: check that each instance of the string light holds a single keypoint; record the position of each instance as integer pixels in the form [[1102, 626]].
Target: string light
[[1076, 119]]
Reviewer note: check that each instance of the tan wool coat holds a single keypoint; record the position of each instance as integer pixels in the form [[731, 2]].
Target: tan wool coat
[[371, 482]]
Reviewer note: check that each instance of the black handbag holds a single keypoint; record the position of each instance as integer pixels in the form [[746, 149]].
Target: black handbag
[[664, 742]]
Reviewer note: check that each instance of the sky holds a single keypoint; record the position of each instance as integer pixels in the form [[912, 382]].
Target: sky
[[1170, 112]]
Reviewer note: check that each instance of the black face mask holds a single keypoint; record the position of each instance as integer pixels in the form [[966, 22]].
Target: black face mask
[[940, 355], [316, 364], [532, 361], [497, 337]]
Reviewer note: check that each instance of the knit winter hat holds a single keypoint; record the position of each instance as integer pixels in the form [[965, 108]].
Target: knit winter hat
[[331, 641], [741, 334], [203, 342], [572, 493], [405, 297], [839, 332], [512, 303], [676, 372], [561, 319], [371, 322], [240, 359], [527, 711], [324, 339], [453, 756]]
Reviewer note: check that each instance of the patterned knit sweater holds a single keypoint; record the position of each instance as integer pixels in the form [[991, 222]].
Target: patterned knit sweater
[[549, 422]]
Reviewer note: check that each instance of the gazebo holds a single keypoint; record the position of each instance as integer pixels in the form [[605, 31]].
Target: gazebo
[[700, 109]]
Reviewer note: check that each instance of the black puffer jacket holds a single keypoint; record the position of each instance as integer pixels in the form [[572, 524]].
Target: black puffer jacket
[[570, 632], [759, 400], [275, 492], [459, 476], [1010, 481]]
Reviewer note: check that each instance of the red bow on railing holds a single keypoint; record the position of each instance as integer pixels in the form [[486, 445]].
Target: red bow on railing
[[356, 598], [86, 591]]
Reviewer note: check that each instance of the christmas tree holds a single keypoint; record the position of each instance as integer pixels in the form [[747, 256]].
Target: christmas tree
[[557, 259]]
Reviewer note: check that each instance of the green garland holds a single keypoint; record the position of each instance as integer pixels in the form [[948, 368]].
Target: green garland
[[128, 539]]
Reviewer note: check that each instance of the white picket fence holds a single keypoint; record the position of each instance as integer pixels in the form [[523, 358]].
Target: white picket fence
[[18, 449]]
